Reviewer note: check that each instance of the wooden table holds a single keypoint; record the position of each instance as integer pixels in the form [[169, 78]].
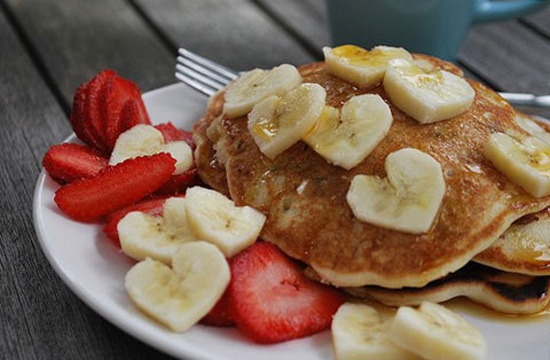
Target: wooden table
[[49, 47]]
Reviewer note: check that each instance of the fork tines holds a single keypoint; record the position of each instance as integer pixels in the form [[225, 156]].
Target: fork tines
[[202, 74]]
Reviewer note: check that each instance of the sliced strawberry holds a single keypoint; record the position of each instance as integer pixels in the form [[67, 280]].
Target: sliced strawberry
[[220, 315], [172, 133], [272, 301], [152, 207], [93, 119], [115, 187], [178, 184], [77, 114], [69, 162], [133, 113], [113, 99]]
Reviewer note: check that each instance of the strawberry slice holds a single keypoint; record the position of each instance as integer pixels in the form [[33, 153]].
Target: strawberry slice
[[133, 113], [178, 184], [69, 162], [172, 133], [115, 187], [152, 207], [272, 301], [93, 119], [220, 314], [113, 99], [84, 119]]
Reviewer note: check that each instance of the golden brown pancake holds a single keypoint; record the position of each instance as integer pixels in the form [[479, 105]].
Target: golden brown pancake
[[523, 248], [504, 292], [303, 195]]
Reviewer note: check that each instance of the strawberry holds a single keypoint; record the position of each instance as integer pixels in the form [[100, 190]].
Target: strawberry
[[115, 187], [113, 99], [178, 184], [272, 301], [172, 133], [93, 118], [84, 116], [151, 206], [68, 162], [133, 112], [220, 314]]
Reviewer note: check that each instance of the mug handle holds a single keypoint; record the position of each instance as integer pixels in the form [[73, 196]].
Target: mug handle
[[501, 10]]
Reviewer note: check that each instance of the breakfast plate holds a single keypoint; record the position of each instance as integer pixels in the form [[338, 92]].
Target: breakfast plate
[[94, 270]]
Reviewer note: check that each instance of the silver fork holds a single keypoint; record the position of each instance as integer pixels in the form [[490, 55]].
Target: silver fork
[[208, 77], [202, 74]]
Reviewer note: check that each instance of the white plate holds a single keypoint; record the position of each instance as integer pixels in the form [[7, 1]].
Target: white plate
[[94, 269]]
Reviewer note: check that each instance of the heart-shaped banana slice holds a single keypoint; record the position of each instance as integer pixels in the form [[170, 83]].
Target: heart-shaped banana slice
[[359, 66], [407, 200], [180, 296], [216, 219], [278, 122], [145, 236], [142, 140], [427, 95], [254, 86], [347, 138], [526, 162]]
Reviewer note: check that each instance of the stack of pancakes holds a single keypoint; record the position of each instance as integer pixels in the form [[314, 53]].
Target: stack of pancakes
[[465, 253]]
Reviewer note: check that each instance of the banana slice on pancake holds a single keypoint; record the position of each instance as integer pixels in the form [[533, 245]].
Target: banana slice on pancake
[[346, 138], [278, 122], [427, 95], [359, 66], [525, 161], [256, 85], [407, 200]]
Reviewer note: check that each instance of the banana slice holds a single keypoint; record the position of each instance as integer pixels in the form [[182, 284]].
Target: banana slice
[[142, 140], [181, 296], [359, 66], [424, 94], [145, 236], [525, 162], [407, 200], [532, 128], [278, 122], [256, 85], [435, 332], [359, 332], [215, 218], [346, 139]]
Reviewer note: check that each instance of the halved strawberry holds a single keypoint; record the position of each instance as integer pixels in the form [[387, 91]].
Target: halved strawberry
[[151, 206], [133, 113], [172, 133], [272, 301], [113, 99], [178, 184], [115, 187], [68, 162], [84, 119], [220, 315], [93, 118]]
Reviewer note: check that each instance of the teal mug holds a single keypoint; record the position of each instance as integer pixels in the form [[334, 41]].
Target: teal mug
[[434, 27]]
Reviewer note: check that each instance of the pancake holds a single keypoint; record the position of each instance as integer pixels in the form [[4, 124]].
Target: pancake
[[504, 292], [303, 195], [523, 248]]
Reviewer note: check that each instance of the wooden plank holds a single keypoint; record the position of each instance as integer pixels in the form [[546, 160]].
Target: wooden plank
[[306, 20], [80, 38], [539, 21], [41, 318], [233, 32], [519, 63]]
